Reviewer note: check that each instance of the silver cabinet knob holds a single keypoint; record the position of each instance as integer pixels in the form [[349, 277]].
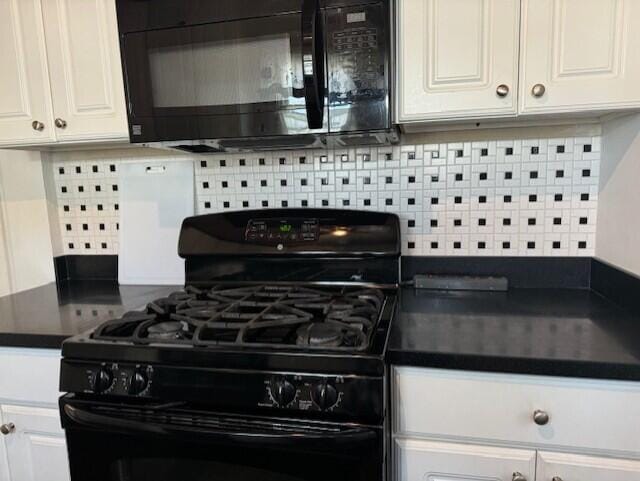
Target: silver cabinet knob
[[518, 477], [540, 417], [60, 123], [36, 125], [502, 90], [538, 90], [7, 428]]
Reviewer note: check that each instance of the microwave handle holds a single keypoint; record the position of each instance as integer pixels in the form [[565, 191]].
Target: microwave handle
[[313, 62], [349, 438]]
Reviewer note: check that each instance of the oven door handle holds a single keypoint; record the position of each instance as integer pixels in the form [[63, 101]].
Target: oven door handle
[[313, 62], [324, 441]]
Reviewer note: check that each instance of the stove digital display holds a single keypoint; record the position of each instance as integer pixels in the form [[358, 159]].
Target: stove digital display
[[281, 231]]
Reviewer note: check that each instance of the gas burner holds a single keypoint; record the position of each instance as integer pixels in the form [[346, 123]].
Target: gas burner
[[320, 334], [166, 330], [265, 316]]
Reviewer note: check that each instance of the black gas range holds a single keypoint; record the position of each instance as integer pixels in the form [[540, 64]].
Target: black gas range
[[268, 363]]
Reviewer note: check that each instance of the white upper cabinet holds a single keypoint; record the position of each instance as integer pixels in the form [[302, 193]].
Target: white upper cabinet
[[472, 59], [584, 53], [457, 58], [85, 69], [61, 77], [25, 102]]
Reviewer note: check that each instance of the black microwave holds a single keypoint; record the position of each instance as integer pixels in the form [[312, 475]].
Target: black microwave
[[206, 76]]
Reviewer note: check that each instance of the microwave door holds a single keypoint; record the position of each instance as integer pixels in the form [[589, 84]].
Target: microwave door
[[225, 80]]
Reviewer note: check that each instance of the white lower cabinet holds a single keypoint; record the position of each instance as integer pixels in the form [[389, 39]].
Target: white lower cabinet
[[420, 460], [472, 426], [35, 448], [576, 467], [32, 443]]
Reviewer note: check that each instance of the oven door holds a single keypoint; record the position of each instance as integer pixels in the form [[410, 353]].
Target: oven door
[[232, 78], [116, 442]]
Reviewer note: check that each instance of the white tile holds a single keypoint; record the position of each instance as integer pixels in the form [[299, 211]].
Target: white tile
[[457, 244], [406, 179], [481, 245], [457, 222]]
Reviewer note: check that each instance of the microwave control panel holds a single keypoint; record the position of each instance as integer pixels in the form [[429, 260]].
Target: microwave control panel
[[358, 49], [357, 46]]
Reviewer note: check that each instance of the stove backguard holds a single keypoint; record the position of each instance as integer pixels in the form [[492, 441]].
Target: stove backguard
[[292, 245]]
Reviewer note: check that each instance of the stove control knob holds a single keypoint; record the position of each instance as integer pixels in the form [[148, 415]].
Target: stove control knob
[[102, 380], [283, 392], [324, 395], [138, 383]]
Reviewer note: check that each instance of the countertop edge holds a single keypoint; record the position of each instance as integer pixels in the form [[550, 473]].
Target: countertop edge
[[32, 340], [515, 365]]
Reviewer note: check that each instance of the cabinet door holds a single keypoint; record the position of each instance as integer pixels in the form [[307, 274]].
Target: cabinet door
[[574, 467], [586, 54], [4, 463], [24, 81], [85, 70], [452, 57], [420, 460], [36, 449]]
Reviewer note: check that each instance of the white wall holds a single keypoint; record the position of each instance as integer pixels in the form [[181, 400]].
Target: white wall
[[52, 204], [5, 280], [618, 233], [25, 243]]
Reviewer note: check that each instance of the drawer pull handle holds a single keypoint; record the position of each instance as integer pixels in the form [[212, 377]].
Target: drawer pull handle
[[7, 428], [540, 417], [518, 477], [556, 478]]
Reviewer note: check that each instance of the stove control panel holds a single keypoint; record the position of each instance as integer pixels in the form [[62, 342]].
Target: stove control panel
[[281, 231], [347, 397], [305, 393], [115, 379]]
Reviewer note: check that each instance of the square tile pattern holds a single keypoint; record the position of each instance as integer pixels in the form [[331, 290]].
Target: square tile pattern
[[534, 197]]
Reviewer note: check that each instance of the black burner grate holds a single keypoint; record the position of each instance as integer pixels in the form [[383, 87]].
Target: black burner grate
[[337, 318]]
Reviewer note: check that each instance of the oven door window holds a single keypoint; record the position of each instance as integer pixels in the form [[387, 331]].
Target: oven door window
[[197, 447], [182, 81]]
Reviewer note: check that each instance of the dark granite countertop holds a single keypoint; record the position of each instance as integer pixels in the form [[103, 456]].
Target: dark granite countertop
[[45, 316], [563, 332]]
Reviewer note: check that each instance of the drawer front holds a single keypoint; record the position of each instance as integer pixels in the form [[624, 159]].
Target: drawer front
[[32, 419], [572, 467], [29, 375], [481, 406], [433, 461]]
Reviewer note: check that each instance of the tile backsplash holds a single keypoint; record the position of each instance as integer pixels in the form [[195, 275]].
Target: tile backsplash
[[534, 197]]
